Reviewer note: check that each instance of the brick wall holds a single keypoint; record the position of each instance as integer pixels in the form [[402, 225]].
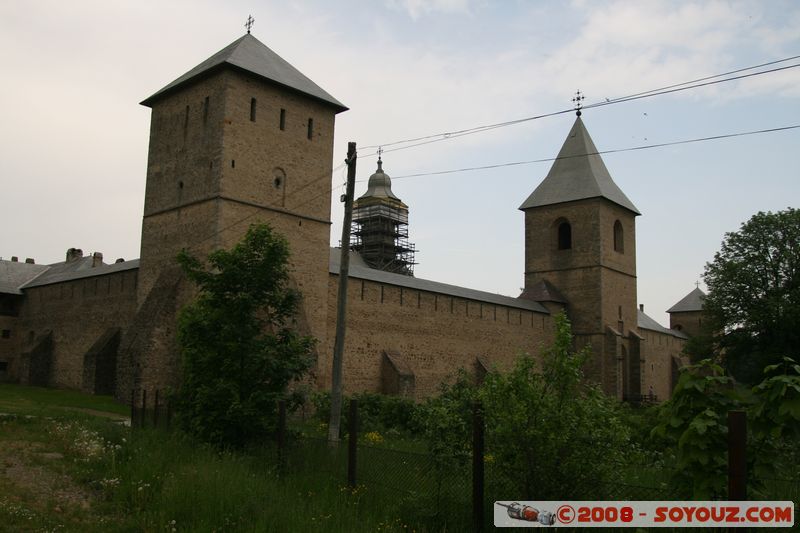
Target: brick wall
[[436, 334], [78, 312]]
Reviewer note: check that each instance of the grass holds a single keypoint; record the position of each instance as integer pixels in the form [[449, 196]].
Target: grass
[[45, 402], [62, 469]]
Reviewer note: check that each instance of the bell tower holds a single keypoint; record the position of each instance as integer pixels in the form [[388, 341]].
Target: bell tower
[[580, 237]]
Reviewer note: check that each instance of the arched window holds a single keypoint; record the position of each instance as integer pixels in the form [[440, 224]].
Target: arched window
[[564, 236], [619, 241]]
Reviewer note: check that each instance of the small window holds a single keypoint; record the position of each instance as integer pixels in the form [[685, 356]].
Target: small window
[[205, 111], [186, 119], [310, 128], [564, 236], [253, 109], [283, 120], [6, 334], [3, 367], [233, 163], [278, 177], [619, 242]]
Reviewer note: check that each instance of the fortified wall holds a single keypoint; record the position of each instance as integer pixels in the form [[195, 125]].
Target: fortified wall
[[244, 138]]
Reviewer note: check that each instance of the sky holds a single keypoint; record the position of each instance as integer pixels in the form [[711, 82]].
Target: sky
[[74, 139]]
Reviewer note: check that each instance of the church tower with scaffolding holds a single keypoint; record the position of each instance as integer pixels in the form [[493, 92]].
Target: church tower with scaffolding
[[380, 227]]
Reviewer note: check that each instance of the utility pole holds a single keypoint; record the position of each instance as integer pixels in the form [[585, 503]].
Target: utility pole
[[341, 302]]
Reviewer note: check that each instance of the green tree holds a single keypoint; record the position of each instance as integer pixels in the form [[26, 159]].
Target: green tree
[[694, 424], [237, 342], [552, 434], [754, 294]]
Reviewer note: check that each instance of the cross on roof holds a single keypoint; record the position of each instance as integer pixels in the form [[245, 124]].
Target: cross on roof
[[577, 101], [697, 284], [249, 23], [380, 151]]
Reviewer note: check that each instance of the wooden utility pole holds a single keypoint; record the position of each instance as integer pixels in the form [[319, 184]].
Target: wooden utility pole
[[341, 302]]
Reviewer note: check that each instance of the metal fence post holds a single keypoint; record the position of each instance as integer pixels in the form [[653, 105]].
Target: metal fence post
[[477, 466], [143, 414], [155, 411], [281, 434], [133, 407], [737, 455], [352, 444]]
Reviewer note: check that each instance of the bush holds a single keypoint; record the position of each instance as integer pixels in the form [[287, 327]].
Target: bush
[[376, 412]]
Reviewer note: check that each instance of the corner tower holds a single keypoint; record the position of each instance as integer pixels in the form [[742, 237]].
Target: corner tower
[[241, 138], [580, 237]]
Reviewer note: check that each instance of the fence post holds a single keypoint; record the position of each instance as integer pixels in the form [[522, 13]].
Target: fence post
[[477, 466], [155, 411], [352, 443], [281, 436], [143, 414], [737, 455], [133, 407]]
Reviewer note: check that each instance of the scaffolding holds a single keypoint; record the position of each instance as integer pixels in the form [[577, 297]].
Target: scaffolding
[[380, 235]]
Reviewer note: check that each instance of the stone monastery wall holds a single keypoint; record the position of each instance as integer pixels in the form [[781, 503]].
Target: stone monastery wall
[[78, 312], [394, 330]]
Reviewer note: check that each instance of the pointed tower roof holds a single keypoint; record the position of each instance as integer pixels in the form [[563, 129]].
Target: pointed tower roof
[[578, 173], [250, 55], [691, 302]]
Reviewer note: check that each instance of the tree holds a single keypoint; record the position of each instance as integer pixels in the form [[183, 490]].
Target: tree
[[694, 426], [239, 349], [552, 434], [753, 303]]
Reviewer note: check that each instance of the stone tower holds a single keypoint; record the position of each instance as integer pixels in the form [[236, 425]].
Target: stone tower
[[580, 238], [380, 227], [687, 314], [242, 138]]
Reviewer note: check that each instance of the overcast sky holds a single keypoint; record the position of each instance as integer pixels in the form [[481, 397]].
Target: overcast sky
[[73, 137]]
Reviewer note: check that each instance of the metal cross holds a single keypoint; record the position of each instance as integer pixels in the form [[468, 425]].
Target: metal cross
[[577, 101], [380, 151], [249, 23], [697, 284]]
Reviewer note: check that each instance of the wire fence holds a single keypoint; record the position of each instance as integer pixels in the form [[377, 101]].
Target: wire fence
[[428, 489]]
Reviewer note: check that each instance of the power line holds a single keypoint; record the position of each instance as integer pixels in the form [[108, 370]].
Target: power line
[[488, 167], [692, 84], [600, 152], [259, 211], [712, 77]]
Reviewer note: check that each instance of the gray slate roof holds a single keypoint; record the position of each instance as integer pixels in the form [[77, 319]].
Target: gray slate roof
[[14, 275], [544, 291], [647, 322], [360, 270], [79, 269], [691, 302], [251, 55], [577, 173]]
